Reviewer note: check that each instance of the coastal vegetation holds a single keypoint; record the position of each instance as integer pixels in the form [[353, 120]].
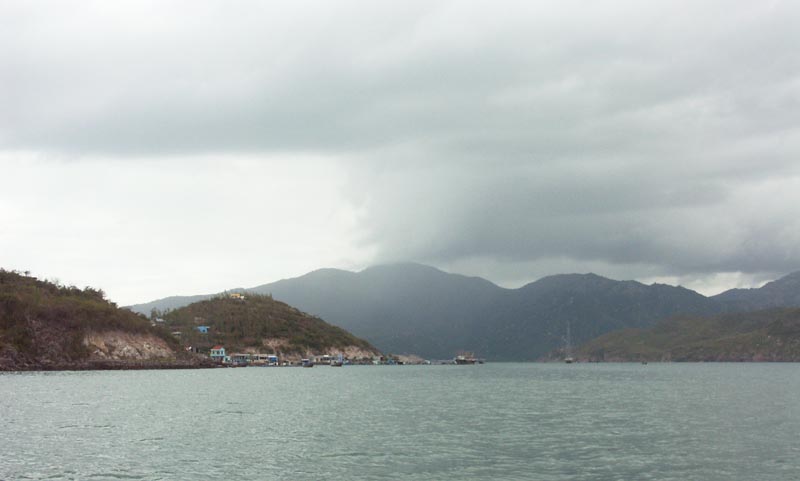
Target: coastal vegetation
[[767, 335], [257, 323], [44, 324]]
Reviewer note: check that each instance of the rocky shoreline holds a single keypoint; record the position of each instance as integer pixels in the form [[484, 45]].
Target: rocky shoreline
[[109, 365]]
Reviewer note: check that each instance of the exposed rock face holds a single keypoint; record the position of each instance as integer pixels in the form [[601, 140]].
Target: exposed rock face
[[354, 352], [282, 348], [274, 344], [410, 359], [124, 346], [99, 350]]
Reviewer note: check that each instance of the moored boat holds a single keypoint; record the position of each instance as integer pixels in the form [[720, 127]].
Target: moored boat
[[466, 358], [568, 347]]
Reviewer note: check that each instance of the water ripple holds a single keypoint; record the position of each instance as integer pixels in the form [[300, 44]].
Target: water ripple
[[497, 421]]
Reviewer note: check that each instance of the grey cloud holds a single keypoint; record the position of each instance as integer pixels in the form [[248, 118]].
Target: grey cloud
[[657, 137], [502, 82]]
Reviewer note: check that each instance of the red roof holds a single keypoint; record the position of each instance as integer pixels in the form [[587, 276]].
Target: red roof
[[216, 348]]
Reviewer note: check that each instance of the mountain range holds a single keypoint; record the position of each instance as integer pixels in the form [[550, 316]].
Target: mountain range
[[413, 308]]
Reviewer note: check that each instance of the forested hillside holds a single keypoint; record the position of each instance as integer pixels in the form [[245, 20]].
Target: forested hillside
[[768, 335]]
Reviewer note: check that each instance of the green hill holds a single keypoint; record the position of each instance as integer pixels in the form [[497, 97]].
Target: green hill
[[260, 323], [769, 335], [44, 325]]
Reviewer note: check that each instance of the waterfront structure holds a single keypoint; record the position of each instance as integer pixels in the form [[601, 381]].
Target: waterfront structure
[[265, 359], [241, 359]]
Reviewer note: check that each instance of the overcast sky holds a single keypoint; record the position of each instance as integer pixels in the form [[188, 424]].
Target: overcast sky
[[160, 148]]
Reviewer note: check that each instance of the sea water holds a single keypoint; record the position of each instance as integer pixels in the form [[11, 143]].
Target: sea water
[[483, 422]]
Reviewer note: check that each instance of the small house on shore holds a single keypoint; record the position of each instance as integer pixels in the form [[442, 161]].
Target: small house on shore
[[218, 353]]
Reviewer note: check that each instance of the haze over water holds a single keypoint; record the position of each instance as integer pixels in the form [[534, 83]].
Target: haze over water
[[496, 421]]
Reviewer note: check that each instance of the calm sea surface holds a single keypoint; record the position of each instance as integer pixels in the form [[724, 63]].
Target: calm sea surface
[[495, 421]]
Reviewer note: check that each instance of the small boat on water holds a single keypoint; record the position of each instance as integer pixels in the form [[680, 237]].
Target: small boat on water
[[307, 363], [568, 347], [338, 362]]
